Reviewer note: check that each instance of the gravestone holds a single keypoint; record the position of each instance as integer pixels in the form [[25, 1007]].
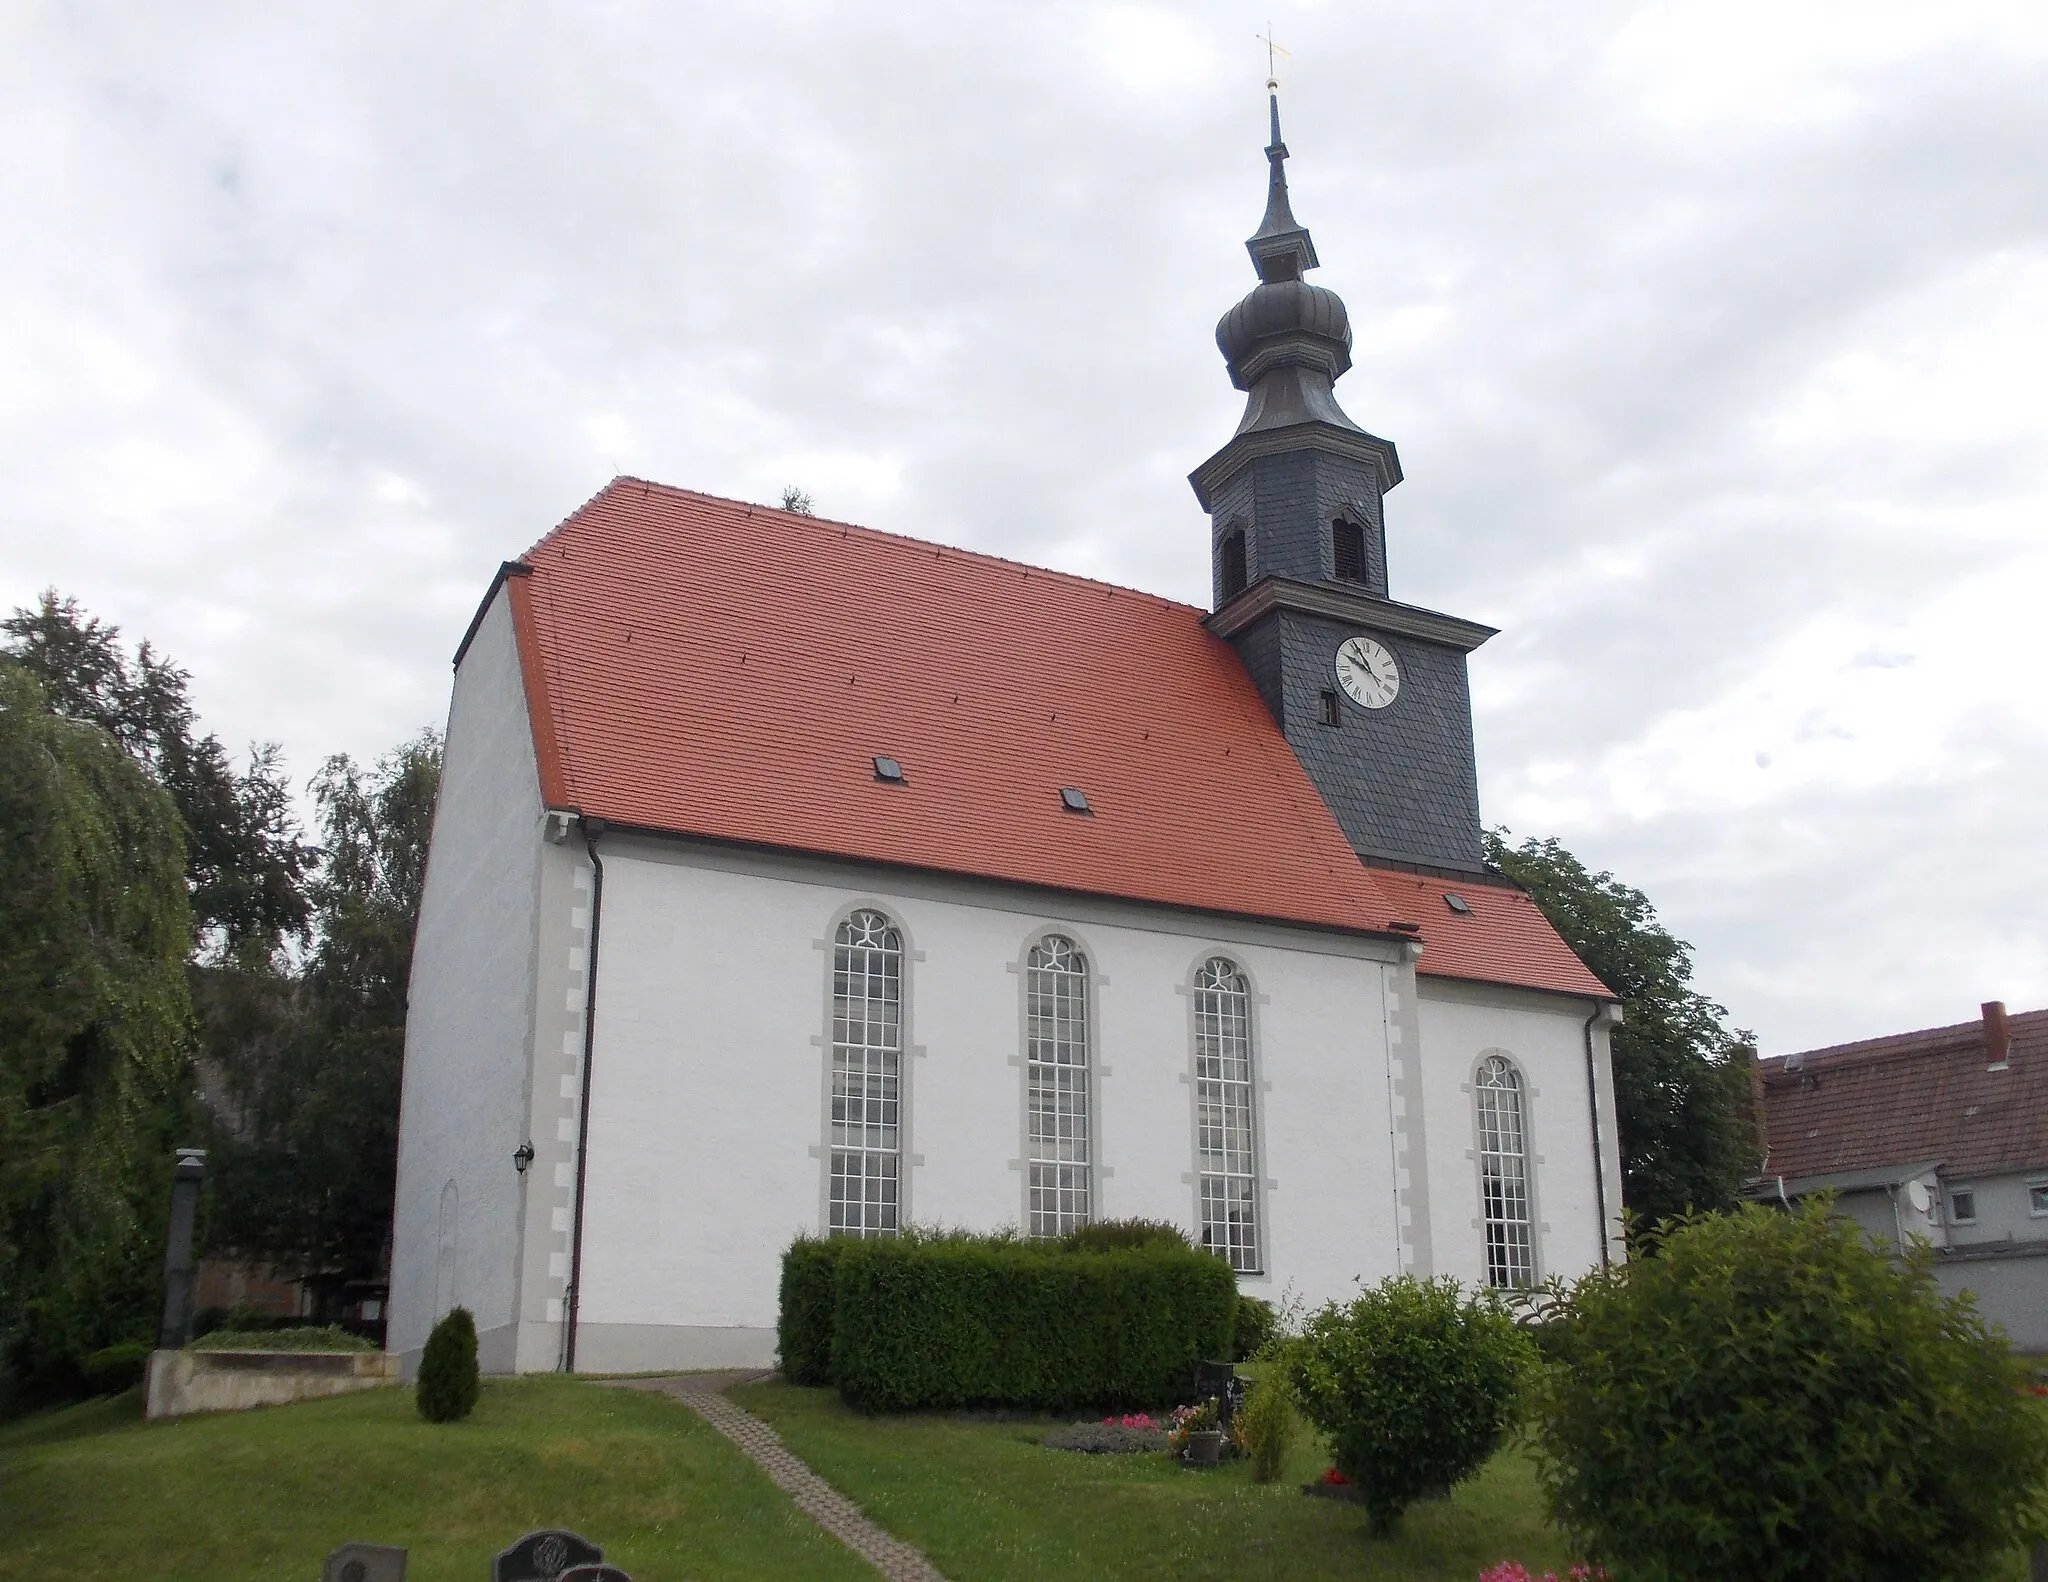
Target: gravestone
[[1220, 1380], [595, 1574], [544, 1556], [364, 1563]]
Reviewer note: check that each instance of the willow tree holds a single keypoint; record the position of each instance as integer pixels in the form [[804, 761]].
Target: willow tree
[[95, 1023]]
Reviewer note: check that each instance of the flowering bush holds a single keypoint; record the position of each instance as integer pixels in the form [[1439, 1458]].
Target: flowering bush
[[1130, 1420], [1188, 1420], [1511, 1571], [1333, 1476]]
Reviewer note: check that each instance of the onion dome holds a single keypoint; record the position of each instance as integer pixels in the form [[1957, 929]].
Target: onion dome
[[1288, 340]]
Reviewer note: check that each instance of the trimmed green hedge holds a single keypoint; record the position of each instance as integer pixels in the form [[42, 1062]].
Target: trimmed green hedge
[[803, 1331], [957, 1322]]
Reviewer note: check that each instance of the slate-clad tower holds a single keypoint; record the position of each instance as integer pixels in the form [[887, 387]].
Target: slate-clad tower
[[1371, 694]]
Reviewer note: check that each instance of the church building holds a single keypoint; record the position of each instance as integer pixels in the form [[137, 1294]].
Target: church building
[[792, 877]]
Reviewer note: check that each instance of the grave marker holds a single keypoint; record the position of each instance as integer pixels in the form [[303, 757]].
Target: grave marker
[[364, 1563], [544, 1556], [1220, 1380]]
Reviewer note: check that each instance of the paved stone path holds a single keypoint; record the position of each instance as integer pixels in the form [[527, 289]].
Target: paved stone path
[[704, 1394]]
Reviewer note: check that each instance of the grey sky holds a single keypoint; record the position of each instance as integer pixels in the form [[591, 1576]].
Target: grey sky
[[1711, 336]]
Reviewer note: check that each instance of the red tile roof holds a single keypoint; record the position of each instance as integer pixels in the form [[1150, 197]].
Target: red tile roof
[[706, 667], [1502, 938], [1908, 1097]]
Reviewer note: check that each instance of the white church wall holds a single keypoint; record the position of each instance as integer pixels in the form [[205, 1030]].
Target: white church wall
[[709, 1083], [1544, 1036], [469, 1028]]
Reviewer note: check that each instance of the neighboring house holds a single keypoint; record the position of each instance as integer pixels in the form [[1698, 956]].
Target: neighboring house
[[1940, 1135], [792, 877]]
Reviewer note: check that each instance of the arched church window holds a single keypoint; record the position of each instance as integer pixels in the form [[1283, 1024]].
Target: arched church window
[[1056, 1086], [1225, 1157], [1348, 550], [1504, 1176], [867, 1075], [1231, 557]]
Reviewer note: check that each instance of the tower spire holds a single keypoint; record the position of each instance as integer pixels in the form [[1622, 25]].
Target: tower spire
[[1280, 248]]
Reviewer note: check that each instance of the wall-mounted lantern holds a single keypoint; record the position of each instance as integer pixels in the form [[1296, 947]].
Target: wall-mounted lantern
[[522, 1156]]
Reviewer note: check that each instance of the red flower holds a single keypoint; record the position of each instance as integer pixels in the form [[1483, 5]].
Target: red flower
[[1334, 1476]]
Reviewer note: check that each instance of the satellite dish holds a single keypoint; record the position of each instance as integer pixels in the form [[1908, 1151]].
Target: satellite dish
[[1916, 1194]]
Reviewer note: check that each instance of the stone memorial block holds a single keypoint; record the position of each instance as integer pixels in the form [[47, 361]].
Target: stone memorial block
[[595, 1574], [544, 1557], [1220, 1380], [364, 1563]]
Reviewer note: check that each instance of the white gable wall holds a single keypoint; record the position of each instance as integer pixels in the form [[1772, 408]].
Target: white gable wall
[[1544, 1035], [469, 1028], [709, 1080]]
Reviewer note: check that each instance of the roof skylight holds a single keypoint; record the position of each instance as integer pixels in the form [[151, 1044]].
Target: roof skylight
[[1457, 903], [1074, 800], [889, 771]]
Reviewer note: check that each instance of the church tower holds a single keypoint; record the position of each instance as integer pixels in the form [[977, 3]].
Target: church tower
[[1371, 694]]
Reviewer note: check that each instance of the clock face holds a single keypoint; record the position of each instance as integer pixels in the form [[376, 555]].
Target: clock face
[[1368, 672]]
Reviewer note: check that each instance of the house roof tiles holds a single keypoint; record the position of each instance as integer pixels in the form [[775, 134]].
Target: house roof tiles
[[1911, 1096]]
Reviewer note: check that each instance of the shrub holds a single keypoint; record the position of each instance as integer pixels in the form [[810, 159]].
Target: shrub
[[112, 1369], [1772, 1397], [803, 1326], [1257, 1325], [301, 1337], [1267, 1424], [1116, 1235], [925, 1323], [448, 1384], [1414, 1384]]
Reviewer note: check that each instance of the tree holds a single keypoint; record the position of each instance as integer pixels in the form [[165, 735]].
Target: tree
[[95, 1019], [1681, 1082], [308, 1068], [245, 863], [796, 501]]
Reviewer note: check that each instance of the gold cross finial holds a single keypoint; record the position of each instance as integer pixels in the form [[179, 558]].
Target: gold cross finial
[[1272, 50]]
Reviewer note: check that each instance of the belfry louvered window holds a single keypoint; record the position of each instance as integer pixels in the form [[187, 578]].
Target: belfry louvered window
[[1347, 550], [1224, 1151], [1056, 1115], [867, 1075], [1234, 572], [1504, 1176]]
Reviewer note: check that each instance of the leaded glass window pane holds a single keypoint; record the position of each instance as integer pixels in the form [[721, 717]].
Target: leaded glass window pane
[[1056, 1119], [1223, 1114], [1504, 1177], [867, 1074]]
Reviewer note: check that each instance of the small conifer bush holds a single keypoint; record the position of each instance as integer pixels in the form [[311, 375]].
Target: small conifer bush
[[1266, 1425], [448, 1384]]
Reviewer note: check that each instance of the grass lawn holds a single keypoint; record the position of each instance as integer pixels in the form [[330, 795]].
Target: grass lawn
[[93, 1492], [987, 1502]]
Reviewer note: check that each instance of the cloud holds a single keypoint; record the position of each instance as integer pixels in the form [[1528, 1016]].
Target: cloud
[[1708, 336]]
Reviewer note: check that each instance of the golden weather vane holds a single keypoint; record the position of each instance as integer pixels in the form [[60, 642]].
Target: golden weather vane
[[1272, 50]]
